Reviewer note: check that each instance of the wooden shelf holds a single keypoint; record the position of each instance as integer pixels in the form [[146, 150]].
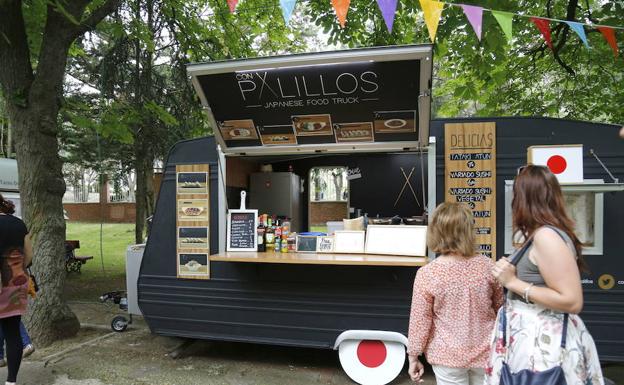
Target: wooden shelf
[[320, 259]]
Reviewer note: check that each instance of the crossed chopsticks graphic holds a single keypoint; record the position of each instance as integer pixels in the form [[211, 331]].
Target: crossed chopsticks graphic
[[407, 183]]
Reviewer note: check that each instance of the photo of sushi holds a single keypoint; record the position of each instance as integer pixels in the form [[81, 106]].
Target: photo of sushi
[[192, 182], [192, 238], [354, 132], [277, 135]]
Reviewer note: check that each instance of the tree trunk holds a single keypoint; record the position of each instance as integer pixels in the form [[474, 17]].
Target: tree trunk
[[42, 187]]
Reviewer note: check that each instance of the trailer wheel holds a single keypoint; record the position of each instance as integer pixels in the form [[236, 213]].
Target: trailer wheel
[[372, 362], [119, 323]]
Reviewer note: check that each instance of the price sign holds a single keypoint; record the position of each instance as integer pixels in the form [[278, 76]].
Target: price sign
[[470, 176], [241, 230]]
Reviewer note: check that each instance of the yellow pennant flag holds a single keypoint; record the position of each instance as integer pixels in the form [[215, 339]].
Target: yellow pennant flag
[[433, 13], [341, 7]]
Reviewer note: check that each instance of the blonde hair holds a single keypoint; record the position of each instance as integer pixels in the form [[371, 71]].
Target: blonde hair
[[451, 230]]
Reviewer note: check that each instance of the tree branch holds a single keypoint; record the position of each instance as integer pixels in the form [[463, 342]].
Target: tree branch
[[16, 73], [98, 14]]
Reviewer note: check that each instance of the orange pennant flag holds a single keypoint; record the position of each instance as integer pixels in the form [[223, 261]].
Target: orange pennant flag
[[341, 7], [433, 13], [609, 35]]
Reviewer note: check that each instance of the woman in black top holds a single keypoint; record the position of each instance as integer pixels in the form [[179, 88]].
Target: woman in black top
[[15, 255]]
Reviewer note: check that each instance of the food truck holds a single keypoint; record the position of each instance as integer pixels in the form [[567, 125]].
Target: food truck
[[328, 143]]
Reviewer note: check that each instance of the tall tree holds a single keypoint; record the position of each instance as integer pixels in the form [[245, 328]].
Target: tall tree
[[36, 37]]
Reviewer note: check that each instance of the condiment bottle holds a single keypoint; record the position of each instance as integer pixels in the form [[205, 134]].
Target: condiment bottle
[[260, 233], [269, 236]]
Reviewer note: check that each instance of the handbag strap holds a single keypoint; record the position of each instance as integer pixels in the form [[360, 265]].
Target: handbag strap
[[514, 261]]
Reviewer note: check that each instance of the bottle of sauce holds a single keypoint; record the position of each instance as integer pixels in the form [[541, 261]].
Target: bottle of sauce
[[269, 236], [260, 233], [284, 243]]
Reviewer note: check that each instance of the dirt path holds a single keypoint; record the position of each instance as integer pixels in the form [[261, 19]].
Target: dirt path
[[137, 357]]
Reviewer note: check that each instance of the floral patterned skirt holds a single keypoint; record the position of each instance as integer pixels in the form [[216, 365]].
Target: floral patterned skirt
[[534, 334]]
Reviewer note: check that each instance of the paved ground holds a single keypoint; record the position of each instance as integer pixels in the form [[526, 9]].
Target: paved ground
[[99, 357]]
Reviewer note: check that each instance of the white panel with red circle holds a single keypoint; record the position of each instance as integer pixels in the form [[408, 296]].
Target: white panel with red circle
[[565, 161]]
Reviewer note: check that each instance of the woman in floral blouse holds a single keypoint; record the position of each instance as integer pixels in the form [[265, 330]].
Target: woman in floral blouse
[[454, 303]]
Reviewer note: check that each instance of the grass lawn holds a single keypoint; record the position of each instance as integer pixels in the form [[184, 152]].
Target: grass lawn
[[93, 280]]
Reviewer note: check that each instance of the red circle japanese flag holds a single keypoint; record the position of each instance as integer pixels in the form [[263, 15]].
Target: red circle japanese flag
[[565, 161]]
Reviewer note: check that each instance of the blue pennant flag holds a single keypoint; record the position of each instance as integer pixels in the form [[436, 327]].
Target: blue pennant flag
[[287, 9], [580, 31]]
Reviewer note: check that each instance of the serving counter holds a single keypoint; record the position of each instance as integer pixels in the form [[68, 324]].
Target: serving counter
[[319, 259]]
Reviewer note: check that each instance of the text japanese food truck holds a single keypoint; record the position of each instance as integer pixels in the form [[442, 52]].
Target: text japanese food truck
[[283, 126]]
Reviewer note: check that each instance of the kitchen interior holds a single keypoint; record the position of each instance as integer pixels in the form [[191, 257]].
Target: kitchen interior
[[318, 192]]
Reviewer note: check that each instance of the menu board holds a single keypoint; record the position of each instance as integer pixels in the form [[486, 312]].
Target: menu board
[[470, 176], [193, 221], [241, 230]]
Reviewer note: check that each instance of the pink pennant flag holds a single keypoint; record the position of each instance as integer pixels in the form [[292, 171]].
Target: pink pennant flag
[[232, 5], [544, 27], [474, 15], [388, 10], [609, 35]]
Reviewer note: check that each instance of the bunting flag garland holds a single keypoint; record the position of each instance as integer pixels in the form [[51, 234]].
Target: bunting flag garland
[[544, 27], [580, 31], [388, 10], [474, 15], [341, 7], [505, 20], [609, 35], [287, 9], [433, 13], [232, 5]]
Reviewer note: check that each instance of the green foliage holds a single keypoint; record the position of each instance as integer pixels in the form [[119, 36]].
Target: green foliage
[[495, 78]]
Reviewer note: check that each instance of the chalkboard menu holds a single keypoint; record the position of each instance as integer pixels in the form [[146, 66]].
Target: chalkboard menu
[[241, 230], [470, 168]]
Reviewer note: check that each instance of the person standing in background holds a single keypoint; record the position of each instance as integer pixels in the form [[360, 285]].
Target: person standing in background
[[15, 255], [454, 303]]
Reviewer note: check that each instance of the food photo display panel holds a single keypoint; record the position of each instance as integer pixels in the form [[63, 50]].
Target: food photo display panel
[[193, 238], [312, 125], [193, 265], [192, 182], [392, 122], [354, 132], [193, 210], [238, 129]]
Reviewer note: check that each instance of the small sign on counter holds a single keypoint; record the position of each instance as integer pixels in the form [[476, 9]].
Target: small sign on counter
[[241, 230]]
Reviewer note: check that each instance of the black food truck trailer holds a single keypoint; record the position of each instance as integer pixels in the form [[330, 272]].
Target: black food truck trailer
[[325, 142]]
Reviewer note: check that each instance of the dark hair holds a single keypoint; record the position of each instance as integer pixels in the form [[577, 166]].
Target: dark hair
[[538, 201], [6, 206]]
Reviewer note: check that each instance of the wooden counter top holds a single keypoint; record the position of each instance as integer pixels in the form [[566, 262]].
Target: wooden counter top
[[320, 259]]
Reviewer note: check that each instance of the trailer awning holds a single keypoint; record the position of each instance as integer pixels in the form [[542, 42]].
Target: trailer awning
[[374, 99]]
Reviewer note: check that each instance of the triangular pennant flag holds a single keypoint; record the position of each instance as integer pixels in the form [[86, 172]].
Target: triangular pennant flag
[[388, 10], [544, 26], [341, 7], [287, 9], [609, 35], [475, 17], [433, 13], [580, 31], [505, 20], [232, 5]]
